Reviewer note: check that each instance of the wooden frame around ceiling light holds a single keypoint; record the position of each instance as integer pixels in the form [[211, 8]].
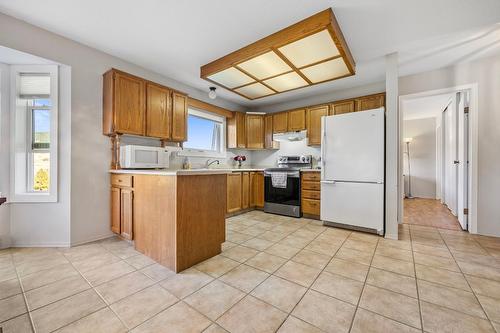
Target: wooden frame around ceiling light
[[316, 24]]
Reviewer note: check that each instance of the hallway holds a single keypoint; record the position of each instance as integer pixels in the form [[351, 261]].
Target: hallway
[[429, 212]]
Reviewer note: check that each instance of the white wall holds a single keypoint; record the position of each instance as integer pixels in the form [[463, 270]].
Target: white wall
[[486, 73], [423, 156], [4, 154], [90, 150]]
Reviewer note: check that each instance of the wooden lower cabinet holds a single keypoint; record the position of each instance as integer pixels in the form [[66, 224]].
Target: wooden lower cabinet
[[115, 210], [127, 213], [245, 190], [122, 206], [257, 189], [311, 194], [233, 192]]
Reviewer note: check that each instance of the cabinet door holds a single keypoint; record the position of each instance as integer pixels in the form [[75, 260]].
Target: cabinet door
[[245, 190], [370, 102], [130, 104], [268, 132], [179, 117], [280, 122], [257, 185], [115, 210], [314, 124], [127, 213], [255, 131], [297, 120], [157, 111], [233, 192], [241, 133], [342, 107]]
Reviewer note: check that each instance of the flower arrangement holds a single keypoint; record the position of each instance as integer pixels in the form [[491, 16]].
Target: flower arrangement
[[239, 159]]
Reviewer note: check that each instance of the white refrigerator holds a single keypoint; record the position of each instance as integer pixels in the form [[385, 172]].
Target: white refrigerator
[[352, 170]]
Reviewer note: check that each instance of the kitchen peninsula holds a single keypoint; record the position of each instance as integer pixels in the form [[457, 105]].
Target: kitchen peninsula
[[176, 218]]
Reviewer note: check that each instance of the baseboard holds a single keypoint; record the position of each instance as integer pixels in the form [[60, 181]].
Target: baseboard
[[392, 236], [15, 244], [93, 239]]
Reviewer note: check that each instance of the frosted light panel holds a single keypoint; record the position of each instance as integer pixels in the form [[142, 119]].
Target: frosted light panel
[[326, 70], [286, 82], [231, 78], [255, 90], [265, 65], [311, 49]]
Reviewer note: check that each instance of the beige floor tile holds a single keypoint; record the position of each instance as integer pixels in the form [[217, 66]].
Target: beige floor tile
[[20, 324], [266, 262], [305, 234], [298, 273], [392, 281], [11, 307], [258, 244], [273, 236], [237, 237], [484, 286], [393, 265], [125, 252], [244, 277], [214, 299], [53, 292], [496, 326], [442, 276], [479, 259], [491, 306], [295, 325], [124, 286], [438, 319], [483, 271], [140, 261], [345, 253], [283, 251], [179, 318], [369, 322], [96, 261], [360, 245], [9, 288], [48, 276], [295, 241], [102, 321], [214, 328], [217, 266], [65, 311], [227, 245], [328, 248], [325, 312], [83, 251], [254, 230], [311, 258], [340, 287], [398, 244], [139, 307], [240, 253], [348, 269], [392, 305], [186, 282], [34, 266], [157, 272], [435, 261], [364, 237], [281, 293], [452, 298], [7, 272], [252, 315], [107, 273], [394, 253], [431, 250]]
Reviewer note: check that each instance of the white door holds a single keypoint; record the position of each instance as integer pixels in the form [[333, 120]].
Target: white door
[[355, 204], [463, 159], [352, 146], [450, 156]]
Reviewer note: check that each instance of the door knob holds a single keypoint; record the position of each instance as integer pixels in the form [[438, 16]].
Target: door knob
[[456, 162]]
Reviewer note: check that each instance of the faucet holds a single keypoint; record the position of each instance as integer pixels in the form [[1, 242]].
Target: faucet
[[214, 161]]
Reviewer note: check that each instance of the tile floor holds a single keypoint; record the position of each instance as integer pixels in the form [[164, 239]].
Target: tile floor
[[429, 212], [276, 274]]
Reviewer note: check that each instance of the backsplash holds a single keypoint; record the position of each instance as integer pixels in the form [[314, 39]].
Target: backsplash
[[267, 158]]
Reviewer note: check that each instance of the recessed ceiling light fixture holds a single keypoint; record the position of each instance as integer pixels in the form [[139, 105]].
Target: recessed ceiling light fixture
[[212, 94], [309, 52]]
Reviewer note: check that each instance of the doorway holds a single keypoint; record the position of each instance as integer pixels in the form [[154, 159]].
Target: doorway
[[436, 159]]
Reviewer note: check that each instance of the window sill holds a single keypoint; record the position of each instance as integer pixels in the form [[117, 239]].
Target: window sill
[[33, 198], [201, 153]]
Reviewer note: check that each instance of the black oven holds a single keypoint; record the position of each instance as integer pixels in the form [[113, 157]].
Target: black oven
[[284, 201]]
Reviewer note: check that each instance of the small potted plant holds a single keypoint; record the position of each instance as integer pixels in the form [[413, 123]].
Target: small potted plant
[[239, 159]]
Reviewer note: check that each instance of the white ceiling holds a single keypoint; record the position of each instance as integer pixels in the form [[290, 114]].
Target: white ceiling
[[425, 107], [175, 38]]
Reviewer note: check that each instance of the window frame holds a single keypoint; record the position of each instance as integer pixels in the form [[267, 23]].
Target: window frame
[[194, 152], [21, 159]]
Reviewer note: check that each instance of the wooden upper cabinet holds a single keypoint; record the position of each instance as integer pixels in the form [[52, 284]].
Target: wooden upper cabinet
[[236, 131], [268, 132], [297, 120], [158, 111], [280, 122], [314, 124], [179, 117], [245, 190], [370, 102], [124, 104], [233, 192], [255, 131], [342, 107]]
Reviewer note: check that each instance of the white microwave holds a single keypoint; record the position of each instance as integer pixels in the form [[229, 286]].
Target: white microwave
[[143, 157]]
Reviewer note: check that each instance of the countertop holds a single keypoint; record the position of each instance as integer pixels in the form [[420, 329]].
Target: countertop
[[188, 172]]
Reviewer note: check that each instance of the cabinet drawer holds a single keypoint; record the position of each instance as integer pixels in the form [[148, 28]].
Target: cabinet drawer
[[122, 180], [307, 194], [310, 206], [309, 185], [312, 176]]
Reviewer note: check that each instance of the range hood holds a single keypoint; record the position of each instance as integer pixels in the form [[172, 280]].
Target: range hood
[[290, 136]]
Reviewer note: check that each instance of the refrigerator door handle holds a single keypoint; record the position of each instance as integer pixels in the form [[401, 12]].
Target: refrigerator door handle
[[328, 182]]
